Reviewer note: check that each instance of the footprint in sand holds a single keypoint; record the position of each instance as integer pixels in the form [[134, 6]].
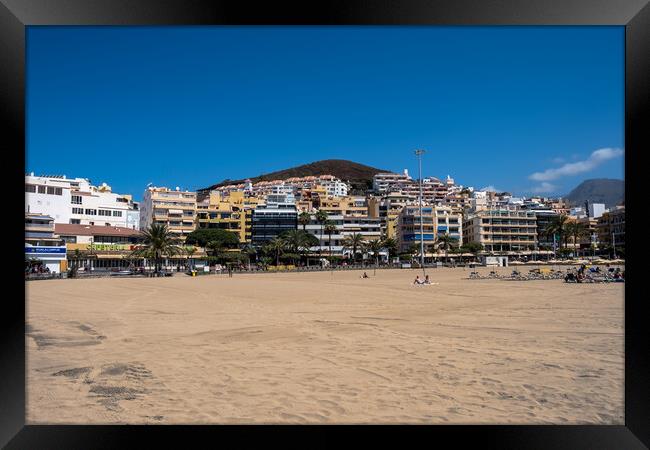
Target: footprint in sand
[[332, 405]]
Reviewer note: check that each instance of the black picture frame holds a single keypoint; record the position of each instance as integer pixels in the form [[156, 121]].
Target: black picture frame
[[15, 15]]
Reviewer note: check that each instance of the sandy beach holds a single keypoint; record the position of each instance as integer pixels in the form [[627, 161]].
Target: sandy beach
[[324, 348]]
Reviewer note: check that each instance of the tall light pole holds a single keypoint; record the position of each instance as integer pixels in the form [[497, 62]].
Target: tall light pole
[[614, 244], [419, 154]]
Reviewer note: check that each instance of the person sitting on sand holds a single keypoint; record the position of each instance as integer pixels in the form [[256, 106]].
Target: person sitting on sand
[[426, 280], [417, 280], [365, 275]]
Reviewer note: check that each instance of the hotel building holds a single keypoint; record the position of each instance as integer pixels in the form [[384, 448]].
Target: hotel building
[[76, 201], [176, 209], [502, 230]]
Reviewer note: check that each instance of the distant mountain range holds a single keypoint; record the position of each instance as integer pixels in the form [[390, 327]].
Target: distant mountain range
[[359, 175], [609, 191]]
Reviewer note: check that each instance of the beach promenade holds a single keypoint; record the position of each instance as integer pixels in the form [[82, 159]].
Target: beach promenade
[[324, 348]]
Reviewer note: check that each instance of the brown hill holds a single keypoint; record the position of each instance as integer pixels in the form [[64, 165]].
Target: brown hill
[[359, 175]]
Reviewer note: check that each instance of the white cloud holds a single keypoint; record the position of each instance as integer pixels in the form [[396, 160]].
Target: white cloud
[[544, 187], [558, 160], [595, 159], [490, 188]]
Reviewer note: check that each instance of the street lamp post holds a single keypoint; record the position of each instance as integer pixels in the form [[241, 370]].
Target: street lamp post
[[419, 154], [614, 244]]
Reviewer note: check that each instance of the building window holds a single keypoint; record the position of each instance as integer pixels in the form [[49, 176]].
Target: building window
[[117, 213], [76, 200], [30, 188], [77, 210], [41, 189], [50, 190], [104, 212], [75, 221], [58, 191], [91, 212]]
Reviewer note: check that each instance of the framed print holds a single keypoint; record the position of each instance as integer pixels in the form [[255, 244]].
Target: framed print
[[322, 218]]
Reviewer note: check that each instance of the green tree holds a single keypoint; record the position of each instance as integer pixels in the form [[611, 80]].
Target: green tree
[[577, 231], [190, 251], [446, 242], [390, 244], [330, 228], [354, 242], [303, 219], [557, 226], [298, 242], [203, 236], [472, 247], [157, 241], [375, 246], [276, 246], [321, 218]]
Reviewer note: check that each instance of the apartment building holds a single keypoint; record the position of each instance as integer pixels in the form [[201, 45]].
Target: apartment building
[[433, 190], [335, 245], [368, 227], [331, 185], [77, 201], [232, 212], [502, 230], [388, 208], [345, 205], [42, 243], [611, 227], [436, 221], [174, 208], [270, 220], [545, 217]]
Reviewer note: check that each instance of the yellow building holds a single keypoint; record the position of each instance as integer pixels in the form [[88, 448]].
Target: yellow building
[[388, 208], [344, 206], [174, 208], [232, 212]]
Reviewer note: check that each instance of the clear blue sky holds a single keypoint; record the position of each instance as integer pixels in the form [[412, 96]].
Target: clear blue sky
[[190, 106]]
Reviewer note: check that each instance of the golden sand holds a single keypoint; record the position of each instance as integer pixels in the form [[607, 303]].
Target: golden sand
[[324, 348]]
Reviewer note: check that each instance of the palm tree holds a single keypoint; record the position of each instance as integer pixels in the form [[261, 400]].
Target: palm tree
[[303, 219], [558, 226], [157, 241], [446, 242], [321, 218], [298, 242], [375, 247], [576, 230], [278, 246], [330, 228], [390, 244], [190, 252], [354, 242]]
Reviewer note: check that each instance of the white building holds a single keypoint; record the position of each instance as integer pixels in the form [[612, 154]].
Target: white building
[[596, 209], [42, 244], [335, 244], [76, 201]]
